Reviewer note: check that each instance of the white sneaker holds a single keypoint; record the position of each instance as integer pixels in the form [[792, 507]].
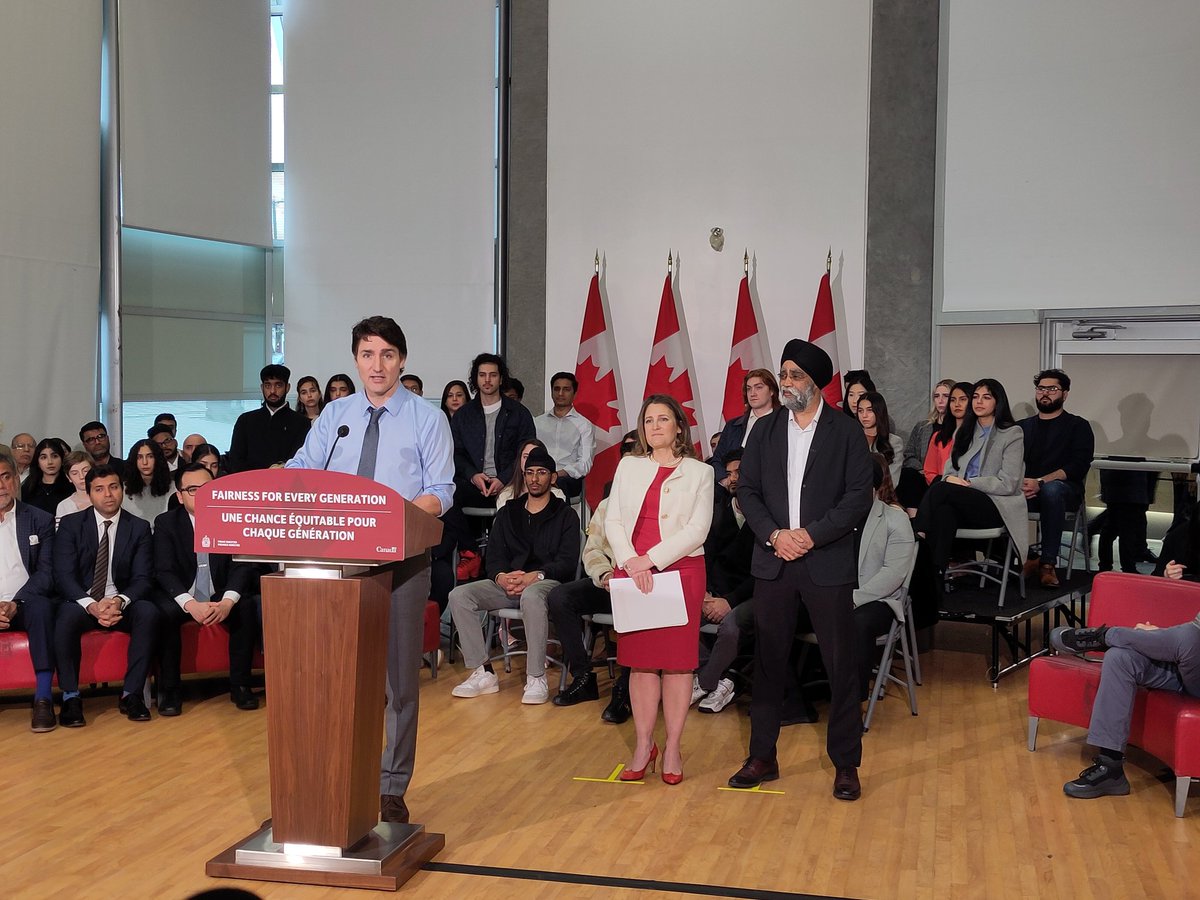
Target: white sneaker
[[481, 681], [697, 691], [718, 699], [536, 690]]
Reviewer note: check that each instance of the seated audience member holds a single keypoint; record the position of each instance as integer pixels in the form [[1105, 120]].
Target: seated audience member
[[208, 588], [885, 549], [190, 443], [1058, 454], [1165, 659], [760, 392], [713, 440], [514, 389], [270, 435], [77, 464], [209, 457], [414, 384], [47, 486], [167, 419], [454, 397], [162, 436], [567, 434], [309, 402], [488, 432], [104, 573], [568, 603], [728, 604], [27, 586], [23, 446], [94, 437], [515, 489], [981, 487], [532, 548], [858, 382], [1127, 497], [147, 482], [911, 486], [338, 386], [873, 416], [942, 442]]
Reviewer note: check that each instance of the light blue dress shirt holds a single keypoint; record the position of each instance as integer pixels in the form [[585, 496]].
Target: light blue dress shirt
[[416, 452]]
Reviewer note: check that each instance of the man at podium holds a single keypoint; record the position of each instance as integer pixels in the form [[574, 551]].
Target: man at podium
[[388, 434]]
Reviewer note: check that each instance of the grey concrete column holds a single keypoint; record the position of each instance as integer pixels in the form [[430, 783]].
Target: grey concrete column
[[525, 345], [901, 175]]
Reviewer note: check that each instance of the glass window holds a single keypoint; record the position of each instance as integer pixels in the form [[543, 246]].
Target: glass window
[[277, 128], [212, 419]]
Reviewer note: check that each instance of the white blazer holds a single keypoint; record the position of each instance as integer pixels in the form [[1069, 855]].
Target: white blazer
[[685, 509]]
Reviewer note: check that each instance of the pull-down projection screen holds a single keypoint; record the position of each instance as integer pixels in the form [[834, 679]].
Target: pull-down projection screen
[[1068, 154]]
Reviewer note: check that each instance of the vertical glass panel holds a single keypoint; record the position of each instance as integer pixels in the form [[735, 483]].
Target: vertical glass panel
[[166, 356], [277, 207], [211, 419], [169, 272], [277, 50], [277, 128]]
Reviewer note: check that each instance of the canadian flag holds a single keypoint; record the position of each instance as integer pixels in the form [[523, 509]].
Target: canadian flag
[[671, 364], [599, 397], [823, 333], [748, 351]]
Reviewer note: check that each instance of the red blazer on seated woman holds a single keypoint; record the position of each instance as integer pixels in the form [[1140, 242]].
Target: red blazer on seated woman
[[659, 512]]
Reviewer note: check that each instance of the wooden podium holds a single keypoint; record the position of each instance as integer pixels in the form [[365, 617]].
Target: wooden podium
[[344, 542]]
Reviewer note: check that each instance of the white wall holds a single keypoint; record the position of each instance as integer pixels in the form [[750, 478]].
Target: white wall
[[390, 192], [669, 118], [1069, 153]]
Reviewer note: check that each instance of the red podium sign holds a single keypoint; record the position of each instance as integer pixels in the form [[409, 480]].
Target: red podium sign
[[300, 514]]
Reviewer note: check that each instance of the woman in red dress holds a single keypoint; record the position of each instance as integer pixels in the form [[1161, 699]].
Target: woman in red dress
[[659, 511]]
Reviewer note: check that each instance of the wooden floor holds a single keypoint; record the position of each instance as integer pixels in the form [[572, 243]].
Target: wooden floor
[[953, 805]]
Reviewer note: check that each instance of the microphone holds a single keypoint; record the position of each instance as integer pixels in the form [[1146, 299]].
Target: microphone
[[342, 431]]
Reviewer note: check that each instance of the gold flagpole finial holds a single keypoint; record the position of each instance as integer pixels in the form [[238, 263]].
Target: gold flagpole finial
[[597, 260], [669, 254], [829, 261], [746, 262]]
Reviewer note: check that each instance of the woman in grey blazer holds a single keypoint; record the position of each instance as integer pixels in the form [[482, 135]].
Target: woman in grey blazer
[[981, 484]]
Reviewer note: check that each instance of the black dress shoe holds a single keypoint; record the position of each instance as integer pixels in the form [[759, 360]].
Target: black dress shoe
[[243, 697], [71, 715], [169, 702], [754, 772], [618, 710], [581, 688], [393, 809], [845, 784], [43, 716], [134, 708]]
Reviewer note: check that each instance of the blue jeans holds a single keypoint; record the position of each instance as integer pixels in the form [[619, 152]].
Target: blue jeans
[[1053, 502]]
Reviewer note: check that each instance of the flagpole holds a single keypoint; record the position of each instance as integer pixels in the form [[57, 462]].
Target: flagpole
[[829, 262], [597, 260], [668, 262], [746, 262]]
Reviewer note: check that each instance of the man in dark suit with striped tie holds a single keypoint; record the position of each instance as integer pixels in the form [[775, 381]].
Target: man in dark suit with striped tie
[[27, 585], [104, 572]]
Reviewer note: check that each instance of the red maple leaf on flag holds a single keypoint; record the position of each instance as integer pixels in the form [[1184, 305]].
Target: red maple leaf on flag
[[658, 381], [595, 394]]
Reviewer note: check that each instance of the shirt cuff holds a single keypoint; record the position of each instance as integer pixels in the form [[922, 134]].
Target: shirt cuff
[[182, 600], [125, 601], [233, 596], [85, 602]]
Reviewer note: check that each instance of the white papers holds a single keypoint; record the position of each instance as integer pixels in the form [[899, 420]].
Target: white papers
[[663, 607]]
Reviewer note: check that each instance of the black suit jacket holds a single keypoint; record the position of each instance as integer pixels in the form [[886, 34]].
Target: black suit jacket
[[728, 552], [514, 426], [130, 550], [837, 491], [175, 560], [35, 538]]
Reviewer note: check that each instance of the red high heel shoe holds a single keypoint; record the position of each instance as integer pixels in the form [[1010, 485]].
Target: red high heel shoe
[[672, 777], [637, 774]]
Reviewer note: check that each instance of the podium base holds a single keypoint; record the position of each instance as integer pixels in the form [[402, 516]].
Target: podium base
[[385, 859]]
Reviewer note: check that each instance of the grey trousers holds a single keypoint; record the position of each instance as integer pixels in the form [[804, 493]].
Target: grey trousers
[[1165, 659], [467, 601], [406, 631], [734, 631]]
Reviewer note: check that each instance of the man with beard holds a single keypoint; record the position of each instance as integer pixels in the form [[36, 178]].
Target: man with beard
[[271, 434], [1058, 453], [805, 484]]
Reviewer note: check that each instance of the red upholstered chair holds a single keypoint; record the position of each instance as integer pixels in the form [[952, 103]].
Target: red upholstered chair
[[1165, 725]]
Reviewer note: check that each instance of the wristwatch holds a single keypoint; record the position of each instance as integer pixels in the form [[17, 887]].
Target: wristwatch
[[541, 576], [1041, 483]]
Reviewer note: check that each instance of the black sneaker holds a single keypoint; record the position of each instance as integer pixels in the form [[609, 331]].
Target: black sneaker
[[582, 687], [1079, 640], [618, 710], [1105, 779]]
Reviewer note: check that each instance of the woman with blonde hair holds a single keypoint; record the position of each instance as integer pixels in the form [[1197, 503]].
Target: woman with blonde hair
[[658, 516]]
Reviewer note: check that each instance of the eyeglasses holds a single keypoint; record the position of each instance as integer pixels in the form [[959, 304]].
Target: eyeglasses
[[164, 441], [792, 375], [1052, 389], [23, 446], [95, 438], [191, 491]]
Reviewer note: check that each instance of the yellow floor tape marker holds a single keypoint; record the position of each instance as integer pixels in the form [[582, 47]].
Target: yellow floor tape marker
[[611, 779], [757, 789]]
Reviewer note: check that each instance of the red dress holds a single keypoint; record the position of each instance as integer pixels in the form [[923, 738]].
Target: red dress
[[677, 647]]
